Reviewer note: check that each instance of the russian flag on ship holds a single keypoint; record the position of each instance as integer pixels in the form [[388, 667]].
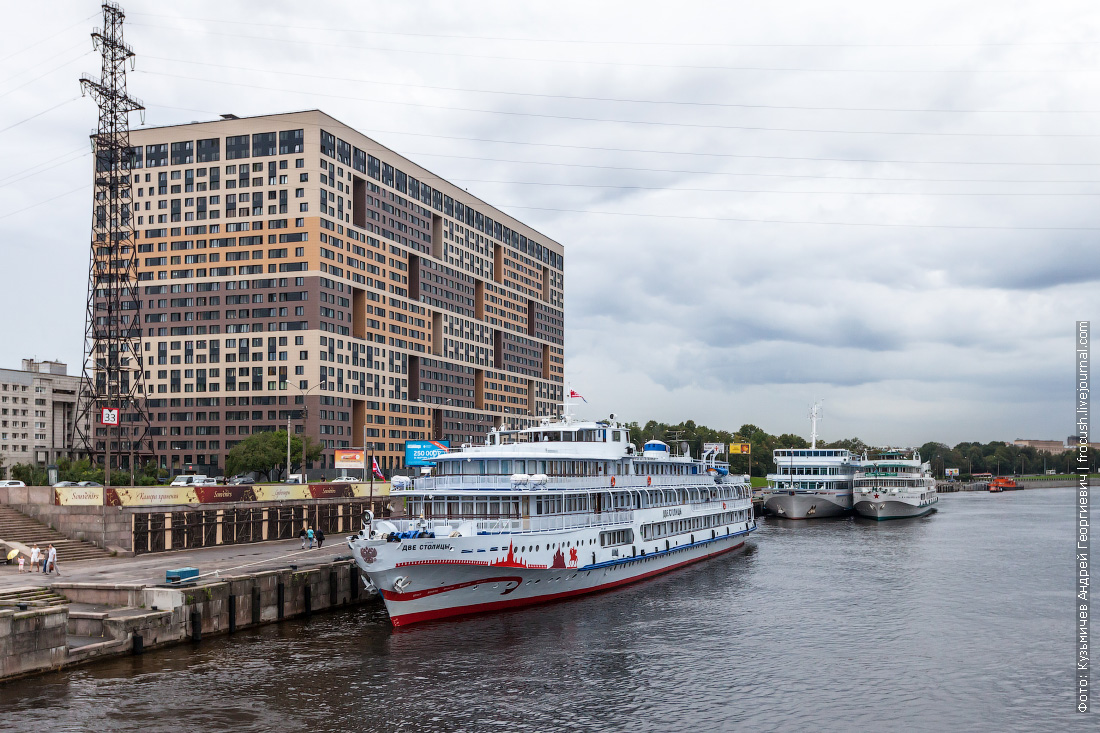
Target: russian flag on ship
[[374, 467]]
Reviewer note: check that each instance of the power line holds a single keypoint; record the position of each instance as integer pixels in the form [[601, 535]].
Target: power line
[[45, 73], [653, 123], [807, 222], [28, 119], [9, 181], [44, 201], [724, 155], [575, 97], [695, 67], [605, 42], [777, 191], [408, 153], [42, 163], [82, 21]]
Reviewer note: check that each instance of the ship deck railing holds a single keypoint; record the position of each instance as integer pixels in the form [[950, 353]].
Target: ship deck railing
[[474, 482]]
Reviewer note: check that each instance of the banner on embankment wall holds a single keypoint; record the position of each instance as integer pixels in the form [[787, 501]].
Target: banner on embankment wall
[[78, 496], [172, 495]]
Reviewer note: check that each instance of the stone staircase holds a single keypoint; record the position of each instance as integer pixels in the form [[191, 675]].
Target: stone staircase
[[18, 527], [33, 597]]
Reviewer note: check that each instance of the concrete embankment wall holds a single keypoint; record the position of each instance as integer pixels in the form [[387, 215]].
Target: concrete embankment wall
[[144, 529], [147, 617]]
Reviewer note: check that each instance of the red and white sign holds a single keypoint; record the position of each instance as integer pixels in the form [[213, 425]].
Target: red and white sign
[[108, 416]]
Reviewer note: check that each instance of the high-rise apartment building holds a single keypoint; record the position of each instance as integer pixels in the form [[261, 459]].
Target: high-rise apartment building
[[37, 410], [287, 262]]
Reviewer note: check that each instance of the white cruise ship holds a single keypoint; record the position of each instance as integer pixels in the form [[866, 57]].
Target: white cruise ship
[[810, 482], [894, 484], [545, 513]]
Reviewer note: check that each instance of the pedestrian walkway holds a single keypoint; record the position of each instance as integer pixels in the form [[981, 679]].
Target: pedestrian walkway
[[150, 569]]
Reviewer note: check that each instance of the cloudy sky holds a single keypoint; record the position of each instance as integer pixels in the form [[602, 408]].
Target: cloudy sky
[[891, 208]]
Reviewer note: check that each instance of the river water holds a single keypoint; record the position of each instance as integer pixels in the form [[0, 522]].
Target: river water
[[959, 621]]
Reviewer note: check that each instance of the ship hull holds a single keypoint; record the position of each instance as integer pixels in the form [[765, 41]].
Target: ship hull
[[438, 590], [882, 509], [808, 506]]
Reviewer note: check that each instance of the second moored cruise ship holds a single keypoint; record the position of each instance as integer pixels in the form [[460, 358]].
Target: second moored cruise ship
[[811, 482]]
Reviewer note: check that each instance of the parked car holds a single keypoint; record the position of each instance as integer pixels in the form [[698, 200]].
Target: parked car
[[292, 480], [91, 484], [220, 480], [345, 480], [63, 484], [241, 480], [188, 480], [206, 482], [12, 483]]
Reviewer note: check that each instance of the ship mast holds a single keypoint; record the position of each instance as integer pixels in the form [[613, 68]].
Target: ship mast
[[815, 415]]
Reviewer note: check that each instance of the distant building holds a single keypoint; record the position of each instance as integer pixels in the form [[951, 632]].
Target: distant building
[[1073, 441], [1048, 446], [37, 409]]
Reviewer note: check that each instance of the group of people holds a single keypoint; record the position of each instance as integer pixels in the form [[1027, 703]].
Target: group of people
[[47, 558], [309, 535]]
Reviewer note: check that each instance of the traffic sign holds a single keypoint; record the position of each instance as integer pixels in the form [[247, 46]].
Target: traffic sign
[[108, 416]]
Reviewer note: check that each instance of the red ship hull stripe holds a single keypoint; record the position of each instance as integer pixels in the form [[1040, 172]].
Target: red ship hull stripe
[[413, 618]]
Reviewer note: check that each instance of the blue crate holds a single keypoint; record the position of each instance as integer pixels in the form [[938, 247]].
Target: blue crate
[[180, 574]]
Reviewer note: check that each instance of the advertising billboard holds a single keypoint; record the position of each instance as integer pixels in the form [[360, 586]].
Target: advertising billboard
[[714, 447], [742, 449], [349, 458], [424, 452], [951, 472]]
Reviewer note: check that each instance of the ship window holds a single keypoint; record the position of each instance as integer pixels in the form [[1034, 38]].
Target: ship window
[[493, 467], [520, 466]]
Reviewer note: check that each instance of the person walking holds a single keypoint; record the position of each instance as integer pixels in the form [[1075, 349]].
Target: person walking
[[320, 536], [21, 559], [36, 556], [302, 537], [51, 560], [310, 536]]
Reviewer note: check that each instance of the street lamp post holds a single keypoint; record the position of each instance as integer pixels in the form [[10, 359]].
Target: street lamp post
[[304, 393]]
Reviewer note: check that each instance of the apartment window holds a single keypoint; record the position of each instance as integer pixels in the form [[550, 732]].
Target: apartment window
[[236, 146], [291, 141], [156, 155], [209, 150], [263, 143], [183, 153]]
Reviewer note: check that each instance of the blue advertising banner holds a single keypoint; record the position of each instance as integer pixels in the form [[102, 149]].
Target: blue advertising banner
[[424, 452]]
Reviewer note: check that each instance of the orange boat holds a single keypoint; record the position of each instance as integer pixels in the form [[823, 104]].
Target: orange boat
[[1002, 483]]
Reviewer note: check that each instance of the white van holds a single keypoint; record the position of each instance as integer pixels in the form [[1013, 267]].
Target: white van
[[189, 480]]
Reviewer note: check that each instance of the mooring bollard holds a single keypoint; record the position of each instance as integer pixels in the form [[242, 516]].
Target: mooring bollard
[[256, 605], [332, 588], [307, 590], [232, 613], [196, 626], [139, 645], [279, 601]]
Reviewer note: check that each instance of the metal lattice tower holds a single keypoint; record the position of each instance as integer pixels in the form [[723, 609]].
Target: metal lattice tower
[[113, 361]]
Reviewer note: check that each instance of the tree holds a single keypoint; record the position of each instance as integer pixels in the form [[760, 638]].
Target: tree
[[265, 453], [258, 453]]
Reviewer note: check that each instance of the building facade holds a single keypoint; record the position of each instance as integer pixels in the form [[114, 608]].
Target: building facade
[[37, 409], [1048, 446], [293, 269]]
